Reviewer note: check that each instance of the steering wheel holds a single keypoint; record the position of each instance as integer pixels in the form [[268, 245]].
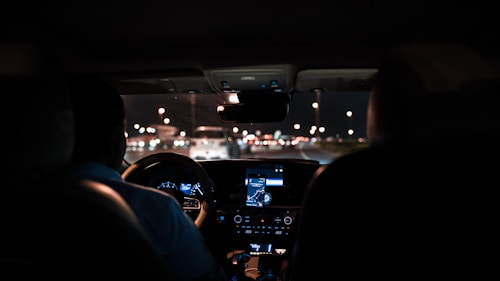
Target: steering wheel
[[179, 175]]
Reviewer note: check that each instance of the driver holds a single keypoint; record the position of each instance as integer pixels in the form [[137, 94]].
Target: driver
[[99, 150]]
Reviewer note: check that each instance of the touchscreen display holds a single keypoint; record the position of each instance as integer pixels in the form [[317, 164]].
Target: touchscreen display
[[256, 190], [262, 184]]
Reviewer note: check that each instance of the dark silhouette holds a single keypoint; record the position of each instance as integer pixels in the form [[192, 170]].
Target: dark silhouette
[[100, 146]]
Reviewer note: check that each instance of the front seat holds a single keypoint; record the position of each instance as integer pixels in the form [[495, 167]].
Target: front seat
[[423, 200], [51, 227]]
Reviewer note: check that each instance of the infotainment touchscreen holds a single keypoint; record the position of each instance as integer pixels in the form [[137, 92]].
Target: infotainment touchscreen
[[256, 190], [261, 183]]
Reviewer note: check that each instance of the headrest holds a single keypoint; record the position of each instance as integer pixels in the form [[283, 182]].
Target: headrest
[[424, 91], [37, 115], [442, 68]]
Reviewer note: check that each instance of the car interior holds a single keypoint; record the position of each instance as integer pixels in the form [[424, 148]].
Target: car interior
[[403, 188]]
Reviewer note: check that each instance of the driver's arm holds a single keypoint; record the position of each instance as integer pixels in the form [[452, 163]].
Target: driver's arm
[[180, 242]]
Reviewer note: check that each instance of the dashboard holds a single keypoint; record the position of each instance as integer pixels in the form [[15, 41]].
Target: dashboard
[[255, 202]]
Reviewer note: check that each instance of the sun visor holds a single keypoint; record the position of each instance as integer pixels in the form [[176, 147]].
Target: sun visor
[[158, 83], [334, 80]]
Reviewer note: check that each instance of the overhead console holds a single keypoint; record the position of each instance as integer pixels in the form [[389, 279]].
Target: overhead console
[[275, 78]]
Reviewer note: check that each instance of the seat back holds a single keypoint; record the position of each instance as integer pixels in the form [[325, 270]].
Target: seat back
[[53, 227], [422, 201]]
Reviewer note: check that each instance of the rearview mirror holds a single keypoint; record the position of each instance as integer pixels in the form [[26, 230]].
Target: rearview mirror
[[272, 107]]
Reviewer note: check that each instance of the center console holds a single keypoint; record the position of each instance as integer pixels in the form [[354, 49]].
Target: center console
[[256, 218], [260, 224], [262, 239]]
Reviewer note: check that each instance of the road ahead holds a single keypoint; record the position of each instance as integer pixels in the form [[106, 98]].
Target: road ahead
[[304, 151]]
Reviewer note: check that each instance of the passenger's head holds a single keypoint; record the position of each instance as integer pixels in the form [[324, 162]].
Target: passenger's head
[[99, 121], [37, 118], [406, 98]]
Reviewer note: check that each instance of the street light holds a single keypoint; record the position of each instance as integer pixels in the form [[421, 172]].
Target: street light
[[316, 107], [350, 131], [161, 111]]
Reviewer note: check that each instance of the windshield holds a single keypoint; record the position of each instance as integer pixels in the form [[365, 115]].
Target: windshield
[[319, 126]]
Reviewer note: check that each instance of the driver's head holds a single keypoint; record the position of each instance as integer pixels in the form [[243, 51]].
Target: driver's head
[[99, 121]]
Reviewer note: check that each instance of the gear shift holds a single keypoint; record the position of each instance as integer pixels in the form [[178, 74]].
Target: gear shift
[[238, 264], [269, 267]]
